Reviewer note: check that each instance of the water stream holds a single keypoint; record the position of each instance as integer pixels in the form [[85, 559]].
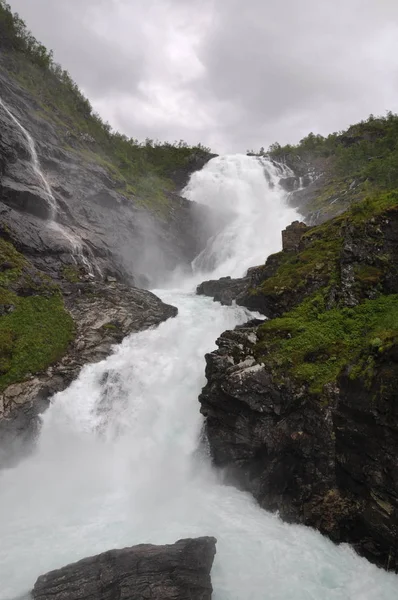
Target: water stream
[[117, 462], [73, 239]]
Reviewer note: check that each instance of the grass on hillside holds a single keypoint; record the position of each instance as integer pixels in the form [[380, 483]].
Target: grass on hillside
[[35, 330]]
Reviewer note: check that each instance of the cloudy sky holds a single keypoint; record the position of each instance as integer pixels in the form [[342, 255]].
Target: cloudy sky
[[232, 74]]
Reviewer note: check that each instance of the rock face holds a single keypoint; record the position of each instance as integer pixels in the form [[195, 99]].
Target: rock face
[[301, 410], [121, 232], [104, 313], [291, 236], [172, 572], [223, 290], [330, 464]]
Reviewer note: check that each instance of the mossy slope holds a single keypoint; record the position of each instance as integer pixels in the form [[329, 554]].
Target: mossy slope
[[35, 328], [341, 293]]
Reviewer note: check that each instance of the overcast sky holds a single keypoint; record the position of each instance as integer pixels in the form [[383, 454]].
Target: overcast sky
[[232, 74]]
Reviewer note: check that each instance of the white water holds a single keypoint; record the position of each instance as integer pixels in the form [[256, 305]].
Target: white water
[[248, 188], [117, 464], [72, 238]]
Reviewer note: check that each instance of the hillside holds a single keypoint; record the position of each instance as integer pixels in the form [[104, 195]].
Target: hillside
[[336, 171]]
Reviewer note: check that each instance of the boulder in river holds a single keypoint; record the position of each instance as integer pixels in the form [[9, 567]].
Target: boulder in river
[[176, 572]]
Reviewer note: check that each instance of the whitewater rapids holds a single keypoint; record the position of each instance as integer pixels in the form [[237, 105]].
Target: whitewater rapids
[[117, 462]]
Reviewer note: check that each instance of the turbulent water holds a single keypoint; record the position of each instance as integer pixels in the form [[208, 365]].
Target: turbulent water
[[118, 463]]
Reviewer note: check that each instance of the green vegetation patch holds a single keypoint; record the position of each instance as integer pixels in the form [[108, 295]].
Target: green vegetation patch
[[313, 344], [318, 260], [35, 328], [372, 206], [33, 336], [71, 274], [11, 263]]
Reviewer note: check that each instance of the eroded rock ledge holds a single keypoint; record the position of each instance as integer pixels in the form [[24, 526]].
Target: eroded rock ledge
[[172, 572], [103, 313]]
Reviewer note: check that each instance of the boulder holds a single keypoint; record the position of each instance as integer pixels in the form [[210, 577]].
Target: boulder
[[172, 572]]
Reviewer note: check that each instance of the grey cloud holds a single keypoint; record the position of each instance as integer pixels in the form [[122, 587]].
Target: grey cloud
[[231, 74]]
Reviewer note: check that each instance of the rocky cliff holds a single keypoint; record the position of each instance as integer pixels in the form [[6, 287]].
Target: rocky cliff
[[301, 409], [143, 234]]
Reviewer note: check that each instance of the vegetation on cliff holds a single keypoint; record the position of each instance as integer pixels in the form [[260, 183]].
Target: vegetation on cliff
[[342, 292], [343, 167], [366, 151], [143, 169], [35, 328]]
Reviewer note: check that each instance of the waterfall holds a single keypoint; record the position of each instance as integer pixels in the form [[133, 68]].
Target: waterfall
[[74, 240], [117, 461], [248, 189]]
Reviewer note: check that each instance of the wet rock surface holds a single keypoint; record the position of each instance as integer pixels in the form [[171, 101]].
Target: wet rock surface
[[328, 461], [172, 572], [121, 232]]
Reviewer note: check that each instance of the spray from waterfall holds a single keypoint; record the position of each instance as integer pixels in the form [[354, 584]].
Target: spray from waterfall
[[74, 240]]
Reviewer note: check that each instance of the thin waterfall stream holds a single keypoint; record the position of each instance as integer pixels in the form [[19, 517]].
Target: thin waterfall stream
[[119, 460], [73, 239]]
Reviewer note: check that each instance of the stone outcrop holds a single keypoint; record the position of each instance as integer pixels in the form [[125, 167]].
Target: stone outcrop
[[172, 572], [329, 462], [224, 290], [244, 290], [104, 313], [301, 410], [291, 236]]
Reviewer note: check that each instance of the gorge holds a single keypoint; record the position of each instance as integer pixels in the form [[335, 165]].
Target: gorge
[[170, 371], [117, 461]]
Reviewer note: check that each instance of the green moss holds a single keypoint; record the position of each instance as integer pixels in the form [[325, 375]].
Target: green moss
[[71, 274], [318, 260], [110, 326], [35, 328], [313, 344], [373, 205], [368, 274], [33, 336], [11, 263]]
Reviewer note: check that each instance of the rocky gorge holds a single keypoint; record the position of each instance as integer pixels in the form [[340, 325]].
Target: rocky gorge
[[299, 406]]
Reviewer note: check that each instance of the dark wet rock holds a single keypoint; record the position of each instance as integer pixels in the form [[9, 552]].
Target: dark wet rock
[[324, 455], [122, 232], [224, 290], [289, 184], [329, 461], [172, 572], [104, 313]]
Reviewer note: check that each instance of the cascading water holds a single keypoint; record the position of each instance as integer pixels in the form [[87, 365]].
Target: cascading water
[[117, 462], [72, 238], [248, 188]]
